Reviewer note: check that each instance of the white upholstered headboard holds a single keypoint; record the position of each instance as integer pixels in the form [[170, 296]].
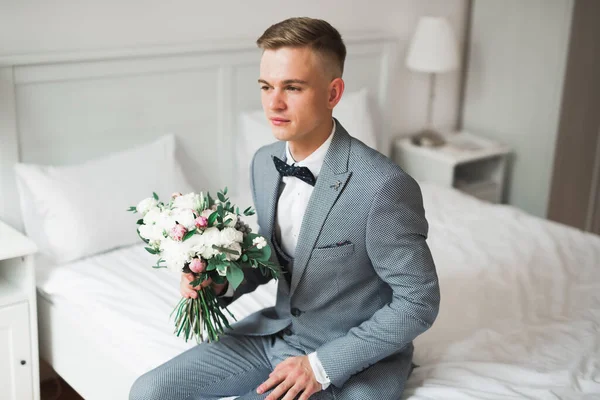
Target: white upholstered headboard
[[66, 108]]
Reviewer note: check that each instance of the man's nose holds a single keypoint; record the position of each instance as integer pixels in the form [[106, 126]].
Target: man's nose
[[277, 101]]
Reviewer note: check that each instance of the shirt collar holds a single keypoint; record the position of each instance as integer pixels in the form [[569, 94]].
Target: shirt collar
[[314, 161]]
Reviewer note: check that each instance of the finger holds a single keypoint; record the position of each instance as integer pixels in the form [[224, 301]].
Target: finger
[[280, 390], [293, 392], [206, 282], [273, 380], [307, 393]]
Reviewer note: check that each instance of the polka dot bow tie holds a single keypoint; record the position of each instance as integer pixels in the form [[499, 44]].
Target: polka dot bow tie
[[301, 173]]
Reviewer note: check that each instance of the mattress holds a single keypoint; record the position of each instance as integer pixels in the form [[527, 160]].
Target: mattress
[[519, 316]]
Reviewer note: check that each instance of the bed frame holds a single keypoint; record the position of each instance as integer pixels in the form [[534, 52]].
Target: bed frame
[[65, 108]]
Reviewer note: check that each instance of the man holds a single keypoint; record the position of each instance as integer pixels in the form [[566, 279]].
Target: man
[[348, 227]]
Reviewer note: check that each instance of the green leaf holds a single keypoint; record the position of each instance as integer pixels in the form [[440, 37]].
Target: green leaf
[[244, 258], [237, 210], [225, 250], [235, 276], [228, 220], [211, 201], [155, 196], [151, 250], [212, 218], [140, 221], [225, 191], [189, 234], [221, 197], [132, 208], [144, 240]]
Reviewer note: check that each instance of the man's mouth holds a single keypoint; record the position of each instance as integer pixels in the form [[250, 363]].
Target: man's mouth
[[279, 121]]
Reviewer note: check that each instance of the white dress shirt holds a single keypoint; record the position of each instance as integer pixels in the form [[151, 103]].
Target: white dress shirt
[[290, 211]]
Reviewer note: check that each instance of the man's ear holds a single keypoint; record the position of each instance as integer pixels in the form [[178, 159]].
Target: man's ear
[[336, 89]]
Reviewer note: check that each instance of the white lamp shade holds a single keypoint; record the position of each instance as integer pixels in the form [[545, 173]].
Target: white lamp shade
[[433, 48]]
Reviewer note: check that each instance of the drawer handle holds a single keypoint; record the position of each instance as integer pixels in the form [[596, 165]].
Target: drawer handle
[[23, 362]]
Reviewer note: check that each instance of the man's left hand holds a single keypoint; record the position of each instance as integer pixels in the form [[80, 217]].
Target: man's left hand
[[292, 376]]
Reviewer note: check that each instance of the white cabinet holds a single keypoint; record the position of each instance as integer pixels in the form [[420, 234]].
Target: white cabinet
[[467, 162], [16, 380], [19, 355]]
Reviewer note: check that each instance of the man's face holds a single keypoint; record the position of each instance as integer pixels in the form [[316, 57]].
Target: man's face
[[294, 91]]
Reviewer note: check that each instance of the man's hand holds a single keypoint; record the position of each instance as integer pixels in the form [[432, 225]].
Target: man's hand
[[292, 376], [188, 291]]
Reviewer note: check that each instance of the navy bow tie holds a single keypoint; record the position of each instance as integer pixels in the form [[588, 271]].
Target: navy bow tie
[[301, 173]]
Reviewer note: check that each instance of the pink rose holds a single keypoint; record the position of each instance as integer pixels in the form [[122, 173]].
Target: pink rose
[[178, 232], [201, 222], [197, 265]]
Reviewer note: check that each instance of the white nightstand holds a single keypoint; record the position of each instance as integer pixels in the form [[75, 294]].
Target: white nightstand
[[19, 359], [470, 163]]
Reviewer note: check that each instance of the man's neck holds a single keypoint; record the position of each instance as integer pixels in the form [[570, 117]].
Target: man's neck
[[302, 149]]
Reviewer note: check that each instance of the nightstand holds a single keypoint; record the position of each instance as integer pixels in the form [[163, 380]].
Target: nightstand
[[19, 359], [467, 162]]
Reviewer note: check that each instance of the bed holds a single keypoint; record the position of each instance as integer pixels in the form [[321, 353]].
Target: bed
[[520, 296]]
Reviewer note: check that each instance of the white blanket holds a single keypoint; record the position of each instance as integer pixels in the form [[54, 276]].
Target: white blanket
[[520, 309], [519, 316]]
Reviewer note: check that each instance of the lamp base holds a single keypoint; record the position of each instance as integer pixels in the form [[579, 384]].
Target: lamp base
[[428, 138]]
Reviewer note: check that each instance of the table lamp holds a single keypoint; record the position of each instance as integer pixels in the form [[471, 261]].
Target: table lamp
[[433, 49]]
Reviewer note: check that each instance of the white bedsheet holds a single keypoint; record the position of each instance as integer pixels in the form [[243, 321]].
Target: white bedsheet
[[519, 318]]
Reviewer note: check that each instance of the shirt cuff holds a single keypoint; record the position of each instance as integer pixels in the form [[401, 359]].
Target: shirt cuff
[[318, 370], [229, 292]]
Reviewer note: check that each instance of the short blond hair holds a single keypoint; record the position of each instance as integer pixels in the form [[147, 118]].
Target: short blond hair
[[316, 34]]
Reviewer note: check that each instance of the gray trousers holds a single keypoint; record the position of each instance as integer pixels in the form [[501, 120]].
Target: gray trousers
[[233, 366]]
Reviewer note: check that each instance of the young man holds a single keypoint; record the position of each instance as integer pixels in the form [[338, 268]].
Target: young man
[[348, 227]]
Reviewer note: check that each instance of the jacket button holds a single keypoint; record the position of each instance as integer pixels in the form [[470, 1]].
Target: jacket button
[[287, 332], [296, 312]]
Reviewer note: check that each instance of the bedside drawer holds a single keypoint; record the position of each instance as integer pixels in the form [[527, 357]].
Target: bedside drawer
[[16, 380]]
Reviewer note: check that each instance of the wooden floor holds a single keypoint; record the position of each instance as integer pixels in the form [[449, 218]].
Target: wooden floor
[[55, 388]]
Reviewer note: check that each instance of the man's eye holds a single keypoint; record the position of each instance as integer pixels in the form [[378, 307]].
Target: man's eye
[[293, 88], [264, 88]]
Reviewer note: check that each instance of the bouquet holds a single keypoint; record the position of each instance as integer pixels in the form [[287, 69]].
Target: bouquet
[[194, 233]]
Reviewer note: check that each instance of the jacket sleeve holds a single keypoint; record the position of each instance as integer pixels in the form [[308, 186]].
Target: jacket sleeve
[[395, 241], [252, 277]]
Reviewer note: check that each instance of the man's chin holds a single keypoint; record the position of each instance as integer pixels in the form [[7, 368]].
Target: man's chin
[[281, 133]]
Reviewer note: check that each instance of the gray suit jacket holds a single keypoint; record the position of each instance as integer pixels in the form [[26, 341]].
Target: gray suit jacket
[[363, 302]]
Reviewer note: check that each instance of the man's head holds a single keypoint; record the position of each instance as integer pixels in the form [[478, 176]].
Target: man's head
[[301, 77]]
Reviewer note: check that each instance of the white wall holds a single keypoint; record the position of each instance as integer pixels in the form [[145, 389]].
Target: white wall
[[515, 75], [32, 26]]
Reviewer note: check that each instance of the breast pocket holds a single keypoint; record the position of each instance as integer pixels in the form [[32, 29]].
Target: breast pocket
[[322, 253]]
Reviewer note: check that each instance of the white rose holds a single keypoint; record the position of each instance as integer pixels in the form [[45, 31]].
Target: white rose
[[197, 244], [231, 235], [152, 216], [185, 217], [145, 205], [233, 218], [212, 236], [208, 252], [190, 200], [259, 242], [235, 247], [153, 233], [166, 220], [175, 254]]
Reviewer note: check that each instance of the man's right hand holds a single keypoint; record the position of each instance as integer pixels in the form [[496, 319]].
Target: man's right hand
[[188, 291]]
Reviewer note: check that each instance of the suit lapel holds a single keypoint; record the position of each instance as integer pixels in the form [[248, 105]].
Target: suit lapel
[[330, 184], [272, 180]]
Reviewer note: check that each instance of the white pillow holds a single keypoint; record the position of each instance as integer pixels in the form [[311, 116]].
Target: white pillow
[[76, 211], [352, 111]]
